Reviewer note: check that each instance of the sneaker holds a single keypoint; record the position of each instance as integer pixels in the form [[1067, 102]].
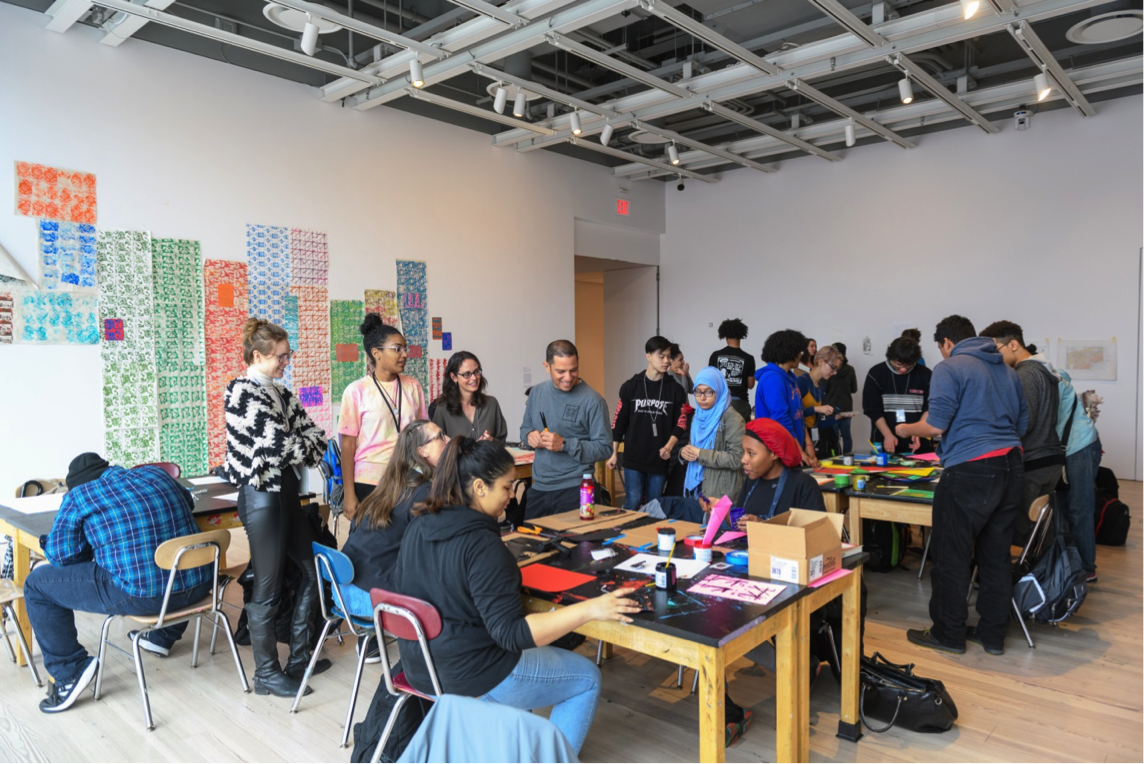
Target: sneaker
[[926, 639], [736, 730], [1090, 578], [971, 636], [374, 655], [63, 695], [152, 647]]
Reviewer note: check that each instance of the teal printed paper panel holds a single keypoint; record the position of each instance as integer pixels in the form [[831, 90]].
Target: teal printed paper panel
[[55, 318]]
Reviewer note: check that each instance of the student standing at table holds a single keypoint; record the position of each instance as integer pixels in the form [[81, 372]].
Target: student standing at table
[[464, 408], [375, 409], [453, 558], [649, 420], [566, 422], [840, 391], [714, 454], [916, 336], [976, 404], [737, 365], [897, 392], [101, 559], [816, 413], [777, 397], [270, 439]]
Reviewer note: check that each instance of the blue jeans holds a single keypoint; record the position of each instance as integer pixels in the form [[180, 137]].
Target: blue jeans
[[641, 487], [1080, 505], [549, 676], [844, 431], [54, 593]]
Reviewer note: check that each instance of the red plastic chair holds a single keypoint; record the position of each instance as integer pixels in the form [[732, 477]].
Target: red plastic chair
[[170, 468], [411, 619]]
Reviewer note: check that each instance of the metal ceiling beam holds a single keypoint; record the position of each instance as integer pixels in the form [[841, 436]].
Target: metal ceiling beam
[[917, 32], [840, 108], [499, 75], [716, 151], [177, 22], [1002, 7], [121, 27], [476, 111], [369, 30], [492, 11], [580, 14], [765, 129], [919, 75], [845, 18], [1047, 63], [454, 39], [65, 13], [707, 35], [671, 170], [606, 61]]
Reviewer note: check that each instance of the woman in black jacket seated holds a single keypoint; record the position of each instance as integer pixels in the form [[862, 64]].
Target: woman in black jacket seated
[[452, 556]]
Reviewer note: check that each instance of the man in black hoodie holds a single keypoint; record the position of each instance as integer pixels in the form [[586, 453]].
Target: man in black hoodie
[[897, 392], [649, 419], [1043, 453]]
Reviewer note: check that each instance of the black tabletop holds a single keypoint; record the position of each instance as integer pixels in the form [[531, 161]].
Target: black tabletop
[[35, 523]]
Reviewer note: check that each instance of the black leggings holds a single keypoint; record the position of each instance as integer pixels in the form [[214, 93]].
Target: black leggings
[[276, 528]]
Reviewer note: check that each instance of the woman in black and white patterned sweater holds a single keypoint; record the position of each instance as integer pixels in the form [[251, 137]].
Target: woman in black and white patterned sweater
[[269, 440]]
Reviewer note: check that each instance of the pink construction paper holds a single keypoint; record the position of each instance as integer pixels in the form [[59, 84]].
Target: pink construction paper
[[742, 589], [729, 536], [827, 579], [718, 515], [925, 457]]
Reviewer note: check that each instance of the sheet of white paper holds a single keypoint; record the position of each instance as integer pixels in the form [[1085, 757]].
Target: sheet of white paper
[[33, 504], [208, 480], [684, 568], [229, 496]]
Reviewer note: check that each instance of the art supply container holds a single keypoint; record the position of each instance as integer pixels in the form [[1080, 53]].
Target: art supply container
[[665, 576], [848, 460], [738, 558], [860, 482], [703, 552], [665, 540], [735, 515], [883, 460], [841, 481]]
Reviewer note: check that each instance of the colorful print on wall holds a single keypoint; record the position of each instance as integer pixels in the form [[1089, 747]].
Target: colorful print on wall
[[347, 363], [54, 193], [67, 255], [55, 318], [224, 292], [413, 307], [384, 303]]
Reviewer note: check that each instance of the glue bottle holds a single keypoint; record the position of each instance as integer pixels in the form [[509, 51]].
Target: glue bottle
[[587, 497]]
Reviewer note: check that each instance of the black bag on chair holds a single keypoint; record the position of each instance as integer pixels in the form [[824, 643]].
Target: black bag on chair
[[891, 693]]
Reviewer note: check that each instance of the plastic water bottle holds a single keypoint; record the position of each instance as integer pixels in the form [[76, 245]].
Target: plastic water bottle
[[587, 497]]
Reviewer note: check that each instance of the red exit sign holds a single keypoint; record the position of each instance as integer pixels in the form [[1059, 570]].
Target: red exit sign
[[621, 206]]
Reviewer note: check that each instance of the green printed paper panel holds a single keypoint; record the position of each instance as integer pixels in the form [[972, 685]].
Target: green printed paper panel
[[346, 361]]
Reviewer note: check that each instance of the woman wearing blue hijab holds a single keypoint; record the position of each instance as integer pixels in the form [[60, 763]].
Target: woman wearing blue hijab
[[713, 456]]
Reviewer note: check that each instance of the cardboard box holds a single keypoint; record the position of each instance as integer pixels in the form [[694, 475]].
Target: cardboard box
[[798, 546]]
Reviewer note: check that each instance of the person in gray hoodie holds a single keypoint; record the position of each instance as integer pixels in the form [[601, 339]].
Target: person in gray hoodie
[[1044, 455], [566, 422], [978, 407]]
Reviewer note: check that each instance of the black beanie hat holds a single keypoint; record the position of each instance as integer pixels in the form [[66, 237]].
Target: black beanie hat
[[85, 468]]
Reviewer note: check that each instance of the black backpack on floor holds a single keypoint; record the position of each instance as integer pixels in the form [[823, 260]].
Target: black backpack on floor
[[1111, 521], [886, 543], [1055, 588]]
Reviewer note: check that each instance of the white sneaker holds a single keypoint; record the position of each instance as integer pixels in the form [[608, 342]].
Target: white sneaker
[[149, 646]]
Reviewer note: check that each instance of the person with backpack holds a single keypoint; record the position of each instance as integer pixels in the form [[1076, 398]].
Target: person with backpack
[[840, 391], [978, 407], [737, 365]]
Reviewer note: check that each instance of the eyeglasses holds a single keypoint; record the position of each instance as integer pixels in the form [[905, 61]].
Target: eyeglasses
[[469, 374], [439, 436], [285, 357], [708, 393], [399, 349], [836, 366]]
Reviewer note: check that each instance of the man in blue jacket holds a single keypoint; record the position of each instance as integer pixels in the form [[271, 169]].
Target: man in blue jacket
[[976, 404]]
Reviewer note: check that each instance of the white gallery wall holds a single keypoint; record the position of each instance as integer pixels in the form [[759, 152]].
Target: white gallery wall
[[1041, 227], [190, 148]]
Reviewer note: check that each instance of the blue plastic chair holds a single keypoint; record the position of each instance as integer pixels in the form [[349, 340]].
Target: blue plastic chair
[[338, 570]]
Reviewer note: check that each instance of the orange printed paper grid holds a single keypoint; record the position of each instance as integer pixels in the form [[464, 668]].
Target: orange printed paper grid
[[49, 192]]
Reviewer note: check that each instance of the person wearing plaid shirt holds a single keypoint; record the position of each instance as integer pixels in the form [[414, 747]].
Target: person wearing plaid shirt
[[101, 552]]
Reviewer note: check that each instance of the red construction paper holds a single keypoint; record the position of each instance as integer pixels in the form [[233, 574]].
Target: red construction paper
[[226, 295], [346, 352], [545, 578]]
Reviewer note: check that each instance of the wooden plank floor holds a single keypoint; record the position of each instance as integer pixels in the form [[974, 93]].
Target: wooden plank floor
[[1076, 697]]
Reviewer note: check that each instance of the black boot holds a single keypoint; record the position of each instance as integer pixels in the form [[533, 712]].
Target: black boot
[[301, 633], [268, 676]]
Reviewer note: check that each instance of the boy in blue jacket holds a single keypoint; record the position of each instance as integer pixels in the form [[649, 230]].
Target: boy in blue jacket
[[976, 404]]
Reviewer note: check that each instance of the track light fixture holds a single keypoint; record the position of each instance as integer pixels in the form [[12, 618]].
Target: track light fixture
[[519, 105], [416, 75], [500, 100], [309, 36], [969, 7], [673, 153], [576, 128], [906, 90], [850, 133], [606, 134], [1043, 86]]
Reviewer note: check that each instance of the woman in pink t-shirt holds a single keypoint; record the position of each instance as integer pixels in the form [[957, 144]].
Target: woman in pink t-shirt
[[375, 409]]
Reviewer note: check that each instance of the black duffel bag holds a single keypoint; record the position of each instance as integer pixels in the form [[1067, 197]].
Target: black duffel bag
[[891, 693]]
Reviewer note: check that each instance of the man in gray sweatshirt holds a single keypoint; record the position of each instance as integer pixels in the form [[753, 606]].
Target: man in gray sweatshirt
[[566, 422], [1044, 456]]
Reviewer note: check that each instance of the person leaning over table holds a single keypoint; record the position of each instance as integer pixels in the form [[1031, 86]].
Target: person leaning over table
[[101, 559], [566, 422], [375, 409], [897, 392], [453, 558], [270, 439], [714, 453], [464, 408]]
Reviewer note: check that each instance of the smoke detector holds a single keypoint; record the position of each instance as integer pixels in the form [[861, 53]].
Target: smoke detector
[[1107, 27], [295, 21]]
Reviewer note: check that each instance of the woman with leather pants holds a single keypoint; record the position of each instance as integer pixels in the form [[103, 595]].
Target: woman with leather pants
[[270, 439]]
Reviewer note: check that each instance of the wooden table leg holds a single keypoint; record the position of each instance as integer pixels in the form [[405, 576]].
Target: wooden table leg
[[712, 712], [854, 520], [21, 559], [849, 725], [792, 710]]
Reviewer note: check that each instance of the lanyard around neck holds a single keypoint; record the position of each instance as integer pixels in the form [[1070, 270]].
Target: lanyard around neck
[[395, 414], [775, 500]]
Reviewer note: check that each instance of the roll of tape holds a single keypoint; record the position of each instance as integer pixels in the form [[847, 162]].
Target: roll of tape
[[737, 558]]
